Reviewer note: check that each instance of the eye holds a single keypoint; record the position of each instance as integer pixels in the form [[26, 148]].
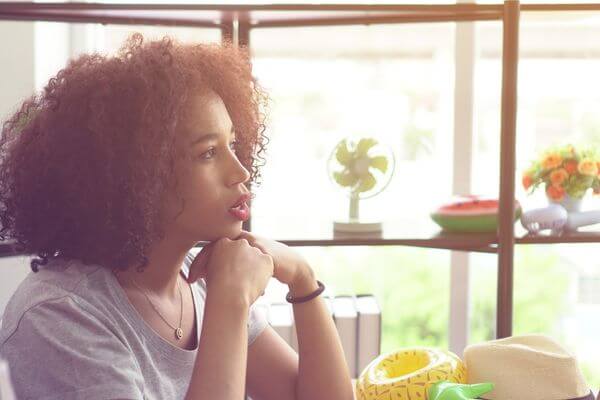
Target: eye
[[233, 145], [210, 153]]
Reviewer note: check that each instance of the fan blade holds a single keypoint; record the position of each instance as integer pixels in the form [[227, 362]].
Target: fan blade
[[342, 154], [366, 184], [345, 178], [379, 162], [364, 145]]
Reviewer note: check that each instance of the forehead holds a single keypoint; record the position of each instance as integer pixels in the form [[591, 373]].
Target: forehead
[[205, 112]]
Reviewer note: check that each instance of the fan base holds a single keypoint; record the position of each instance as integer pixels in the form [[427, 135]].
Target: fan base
[[357, 227]]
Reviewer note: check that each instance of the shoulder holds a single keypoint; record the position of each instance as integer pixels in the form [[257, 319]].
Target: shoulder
[[64, 286], [82, 356], [56, 315]]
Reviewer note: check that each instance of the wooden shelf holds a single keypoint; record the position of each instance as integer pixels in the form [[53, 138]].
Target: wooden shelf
[[7, 249], [253, 16], [265, 15], [400, 232], [572, 237], [248, 17], [396, 233]]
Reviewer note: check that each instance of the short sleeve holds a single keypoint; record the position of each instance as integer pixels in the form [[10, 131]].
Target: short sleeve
[[61, 351]]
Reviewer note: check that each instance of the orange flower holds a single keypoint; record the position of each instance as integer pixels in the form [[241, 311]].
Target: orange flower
[[555, 192], [588, 167], [527, 181], [571, 166], [598, 166], [558, 176], [552, 160]]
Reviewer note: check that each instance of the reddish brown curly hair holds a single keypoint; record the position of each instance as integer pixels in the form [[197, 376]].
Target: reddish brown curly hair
[[85, 165]]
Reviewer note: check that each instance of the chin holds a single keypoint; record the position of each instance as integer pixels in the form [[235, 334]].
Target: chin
[[231, 232]]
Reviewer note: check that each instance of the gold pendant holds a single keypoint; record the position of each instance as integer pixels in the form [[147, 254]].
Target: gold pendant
[[178, 333]]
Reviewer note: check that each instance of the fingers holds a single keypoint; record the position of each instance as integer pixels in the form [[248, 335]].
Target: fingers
[[198, 267], [252, 241], [246, 235]]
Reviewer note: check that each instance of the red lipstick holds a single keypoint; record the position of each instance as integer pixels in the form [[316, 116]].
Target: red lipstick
[[240, 209]]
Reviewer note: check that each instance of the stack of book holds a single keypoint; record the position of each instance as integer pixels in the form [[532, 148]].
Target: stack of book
[[357, 319]]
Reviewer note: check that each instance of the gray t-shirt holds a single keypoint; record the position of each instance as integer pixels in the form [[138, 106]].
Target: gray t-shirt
[[70, 332]]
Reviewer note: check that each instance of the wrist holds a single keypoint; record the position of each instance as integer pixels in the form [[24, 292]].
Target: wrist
[[231, 301], [304, 283]]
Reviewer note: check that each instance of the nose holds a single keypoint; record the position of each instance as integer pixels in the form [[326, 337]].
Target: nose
[[237, 172]]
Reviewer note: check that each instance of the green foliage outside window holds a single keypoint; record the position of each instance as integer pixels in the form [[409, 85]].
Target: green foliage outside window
[[412, 287]]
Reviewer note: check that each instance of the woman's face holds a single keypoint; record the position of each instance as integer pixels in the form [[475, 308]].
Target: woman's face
[[211, 178]]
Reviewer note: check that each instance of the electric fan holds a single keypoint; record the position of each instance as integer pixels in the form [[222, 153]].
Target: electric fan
[[362, 168]]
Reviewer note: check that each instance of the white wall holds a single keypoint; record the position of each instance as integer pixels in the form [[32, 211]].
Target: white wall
[[17, 76], [30, 54], [12, 271], [17, 82]]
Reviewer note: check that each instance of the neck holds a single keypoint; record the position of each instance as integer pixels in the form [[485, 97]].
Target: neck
[[161, 273]]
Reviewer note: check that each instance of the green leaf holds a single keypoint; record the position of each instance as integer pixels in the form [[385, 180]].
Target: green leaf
[[581, 182], [364, 145], [366, 184], [379, 162], [342, 154], [345, 178]]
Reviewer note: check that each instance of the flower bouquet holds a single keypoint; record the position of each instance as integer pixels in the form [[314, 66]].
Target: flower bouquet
[[565, 172]]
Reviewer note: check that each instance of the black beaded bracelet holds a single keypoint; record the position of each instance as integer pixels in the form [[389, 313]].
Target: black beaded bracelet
[[308, 297]]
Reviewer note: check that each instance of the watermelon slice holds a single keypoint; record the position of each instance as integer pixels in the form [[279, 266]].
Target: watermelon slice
[[470, 214]]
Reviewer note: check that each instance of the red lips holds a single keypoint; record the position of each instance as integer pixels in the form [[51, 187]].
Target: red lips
[[240, 209]]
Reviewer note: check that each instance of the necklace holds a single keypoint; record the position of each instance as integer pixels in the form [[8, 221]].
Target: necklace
[[178, 331]]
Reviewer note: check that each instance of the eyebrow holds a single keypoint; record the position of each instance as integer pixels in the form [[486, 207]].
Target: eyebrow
[[209, 136]]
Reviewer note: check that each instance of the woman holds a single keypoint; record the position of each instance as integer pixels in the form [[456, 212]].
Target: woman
[[111, 176]]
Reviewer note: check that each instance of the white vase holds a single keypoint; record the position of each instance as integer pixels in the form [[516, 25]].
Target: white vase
[[571, 204]]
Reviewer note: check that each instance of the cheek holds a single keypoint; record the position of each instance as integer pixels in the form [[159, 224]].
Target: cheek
[[204, 204], [205, 216]]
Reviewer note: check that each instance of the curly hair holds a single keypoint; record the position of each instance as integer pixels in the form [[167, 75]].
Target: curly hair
[[85, 165]]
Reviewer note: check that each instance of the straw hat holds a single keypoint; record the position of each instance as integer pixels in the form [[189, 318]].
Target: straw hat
[[531, 367]]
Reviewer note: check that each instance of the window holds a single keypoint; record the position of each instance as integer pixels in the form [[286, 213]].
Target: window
[[559, 98], [396, 82]]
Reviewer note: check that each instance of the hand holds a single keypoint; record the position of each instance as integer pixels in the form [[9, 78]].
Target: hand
[[232, 268], [455, 391], [289, 266]]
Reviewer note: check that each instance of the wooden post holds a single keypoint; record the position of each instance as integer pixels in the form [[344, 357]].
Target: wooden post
[[506, 232]]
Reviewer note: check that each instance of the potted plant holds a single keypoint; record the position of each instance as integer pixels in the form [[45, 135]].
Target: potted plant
[[566, 174]]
